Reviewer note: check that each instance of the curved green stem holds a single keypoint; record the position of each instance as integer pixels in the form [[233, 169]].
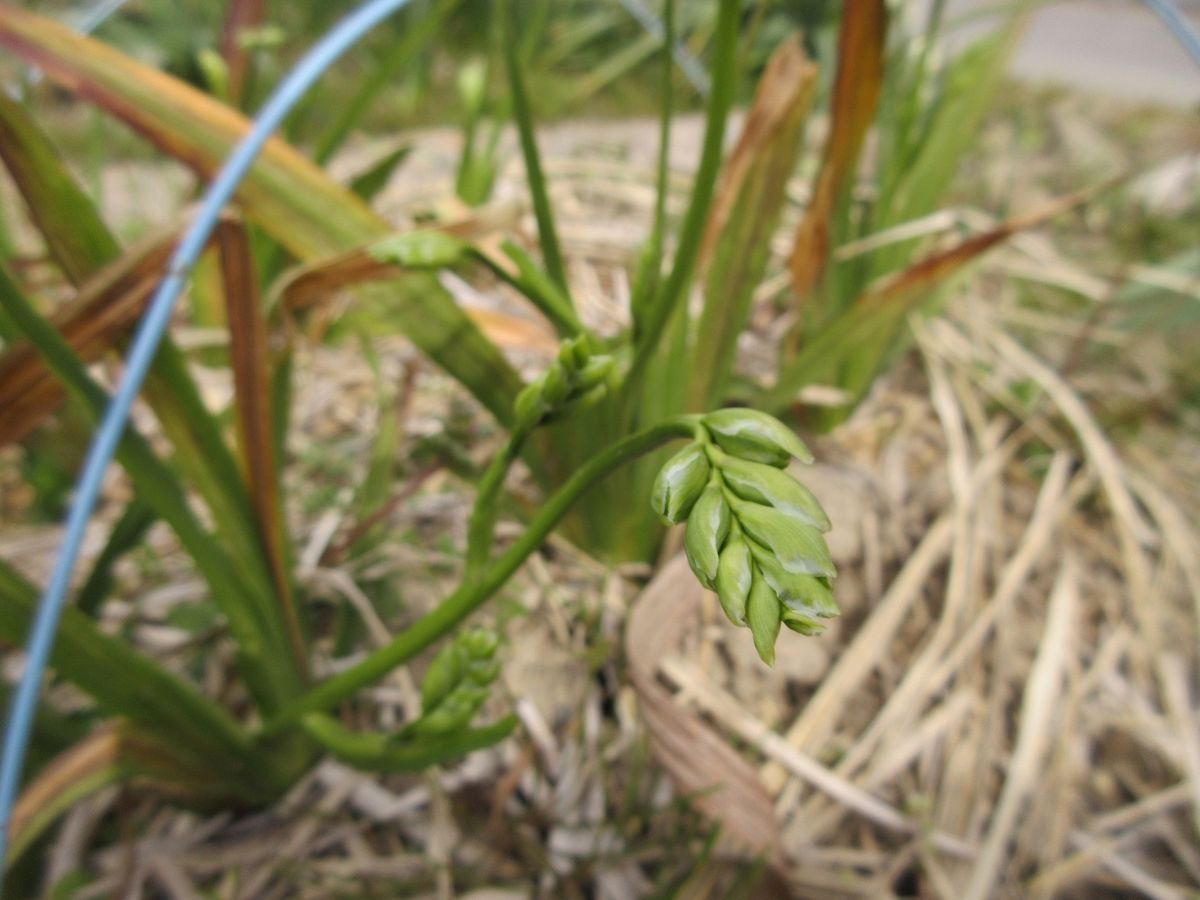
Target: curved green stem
[[536, 286], [482, 526], [375, 752], [471, 595]]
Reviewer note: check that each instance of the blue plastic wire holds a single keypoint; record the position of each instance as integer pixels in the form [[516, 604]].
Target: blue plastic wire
[[145, 344], [1174, 19], [691, 67]]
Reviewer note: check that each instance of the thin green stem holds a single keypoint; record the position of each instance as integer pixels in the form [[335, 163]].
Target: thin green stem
[[470, 596], [482, 526], [523, 115], [650, 268], [376, 752], [724, 86], [539, 289]]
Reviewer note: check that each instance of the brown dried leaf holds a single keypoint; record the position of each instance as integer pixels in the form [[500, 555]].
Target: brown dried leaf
[[746, 213], [104, 311], [249, 361], [861, 45], [925, 273], [780, 105], [74, 773]]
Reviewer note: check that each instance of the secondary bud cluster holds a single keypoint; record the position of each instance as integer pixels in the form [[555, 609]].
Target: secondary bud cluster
[[572, 377], [456, 684], [754, 533]]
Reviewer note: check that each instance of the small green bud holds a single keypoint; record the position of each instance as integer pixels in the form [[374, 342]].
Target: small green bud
[[443, 675], [581, 351], [707, 528], [530, 405], [763, 615], [595, 372], [479, 644], [482, 671], [756, 436], [556, 388], [679, 484], [455, 711], [765, 484], [806, 594], [800, 623], [735, 571], [799, 548], [566, 356]]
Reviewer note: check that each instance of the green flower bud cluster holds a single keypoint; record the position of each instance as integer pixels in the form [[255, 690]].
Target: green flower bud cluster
[[574, 376], [456, 684], [755, 535]]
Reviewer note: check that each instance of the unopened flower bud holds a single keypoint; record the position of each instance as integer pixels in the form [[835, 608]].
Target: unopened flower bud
[[707, 528], [760, 483], [679, 484], [763, 614], [754, 435], [735, 571]]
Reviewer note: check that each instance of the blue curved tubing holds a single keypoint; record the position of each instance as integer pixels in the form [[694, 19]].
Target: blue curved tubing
[[145, 344], [1175, 20]]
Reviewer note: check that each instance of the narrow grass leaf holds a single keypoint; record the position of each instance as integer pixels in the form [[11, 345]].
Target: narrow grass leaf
[[668, 299], [418, 34], [126, 683], [745, 214], [368, 183], [77, 238], [523, 116], [262, 654], [126, 534]]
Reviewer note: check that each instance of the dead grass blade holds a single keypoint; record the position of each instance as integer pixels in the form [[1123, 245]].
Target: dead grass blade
[[850, 349], [820, 715], [249, 356], [861, 46], [1034, 735], [726, 710], [926, 273], [102, 314], [745, 212], [700, 761], [1097, 446]]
